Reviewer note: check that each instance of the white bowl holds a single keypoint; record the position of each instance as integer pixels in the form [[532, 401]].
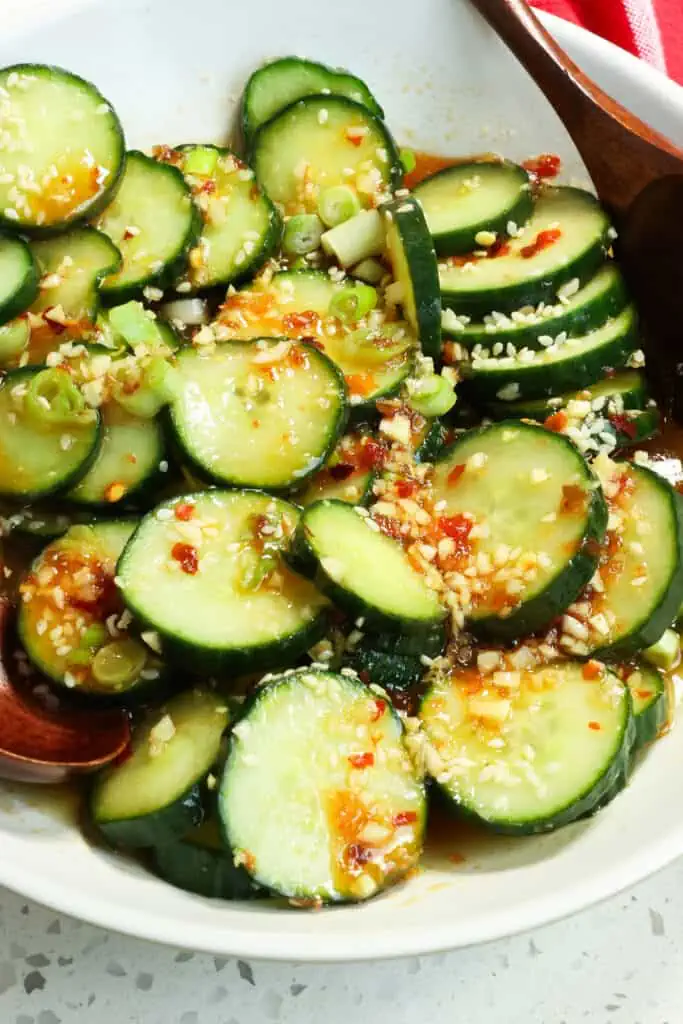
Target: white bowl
[[174, 73]]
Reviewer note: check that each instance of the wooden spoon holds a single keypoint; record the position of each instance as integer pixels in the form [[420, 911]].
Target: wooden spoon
[[638, 175], [42, 745]]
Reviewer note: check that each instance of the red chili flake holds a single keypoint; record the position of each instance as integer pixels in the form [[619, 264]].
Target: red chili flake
[[643, 694], [404, 818], [208, 187], [365, 760], [389, 527], [406, 488], [543, 240], [557, 421], [187, 556], [573, 499], [501, 247], [457, 527], [342, 471], [356, 855], [298, 357], [304, 321], [624, 424], [592, 670], [547, 165], [184, 511], [127, 235], [372, 455], [595, 726], [380, 708], [355, 135], [455, 474]]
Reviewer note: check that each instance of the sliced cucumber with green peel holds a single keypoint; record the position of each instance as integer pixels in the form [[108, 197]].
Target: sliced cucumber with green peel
[[240, 227], [46, 520], [127, 462], [603, 297], [153, 222], [639, 585], [71, 619], [214, 585], [153, 796], [348, 474], [564, 241], [201, 863], [362, 571], [343, 831], [528, 516], [62, 148], [413, 259], [274, 86], [375, 356], [319, 142], [461, 202], [14, 339], [651, 697], [285, 401], [570, 366], [563, 744], [18, 276], [433, 439], [382, 668], [43, 450]]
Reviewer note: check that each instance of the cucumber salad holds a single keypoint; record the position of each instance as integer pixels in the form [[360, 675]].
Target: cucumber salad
[[329, 471]]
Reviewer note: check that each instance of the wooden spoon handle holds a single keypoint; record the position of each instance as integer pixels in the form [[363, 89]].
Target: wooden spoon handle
[[572, 93]]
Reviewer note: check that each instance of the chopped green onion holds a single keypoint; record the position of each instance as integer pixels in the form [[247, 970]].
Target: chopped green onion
[[79, 657], [370, 270], [407, 158], [119, 663], [666, 653], [337, 204], [432, 396], [134, 324], [14, 338], [352, 302], [254, 568], [52, 399], [94, 635], [356, 239], [157, 385], [302, 234], [202, 161]]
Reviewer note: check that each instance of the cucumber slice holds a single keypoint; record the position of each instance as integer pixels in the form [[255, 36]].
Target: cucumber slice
[[274, 86], [348, 474], [382, 668], [14, 339], [526, 516], [321, 141], [71, 622], [432, 441], [651, 700], [461, 202], [364, 572], [214, 585], [240, 227], [42, 520], [563, 744], [38, 458], [413, 259], [603, 297], [201, 863], [527, 270], [570, 366], [343, 831], [153, 796], [638, 588], [127, 463], [62, 148], [18, 276], [284, 401], [666, 652], [153, 221], [375, 355]]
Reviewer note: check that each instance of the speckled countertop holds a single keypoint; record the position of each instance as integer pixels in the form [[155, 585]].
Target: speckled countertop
[[620, 963]]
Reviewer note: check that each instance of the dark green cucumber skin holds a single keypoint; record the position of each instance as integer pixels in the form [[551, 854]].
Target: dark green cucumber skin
[[203, 871], [270, 243], [395, 178], [26, 294], [166, 825], [390, 671], [420, 256], [462, 241], [44, 523], [539, 409], [185, 458], [141, 495], [598, 795], [111, 268], [538, 612], [432, 644], [103, 200], [77, 474], [653, 717], [574, 322], [544, 381], [650, 630], [433, 443], [302, 559], [114, 295], [248, 129]]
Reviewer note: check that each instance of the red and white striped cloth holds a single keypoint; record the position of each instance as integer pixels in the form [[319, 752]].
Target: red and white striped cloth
[[652, 29]]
